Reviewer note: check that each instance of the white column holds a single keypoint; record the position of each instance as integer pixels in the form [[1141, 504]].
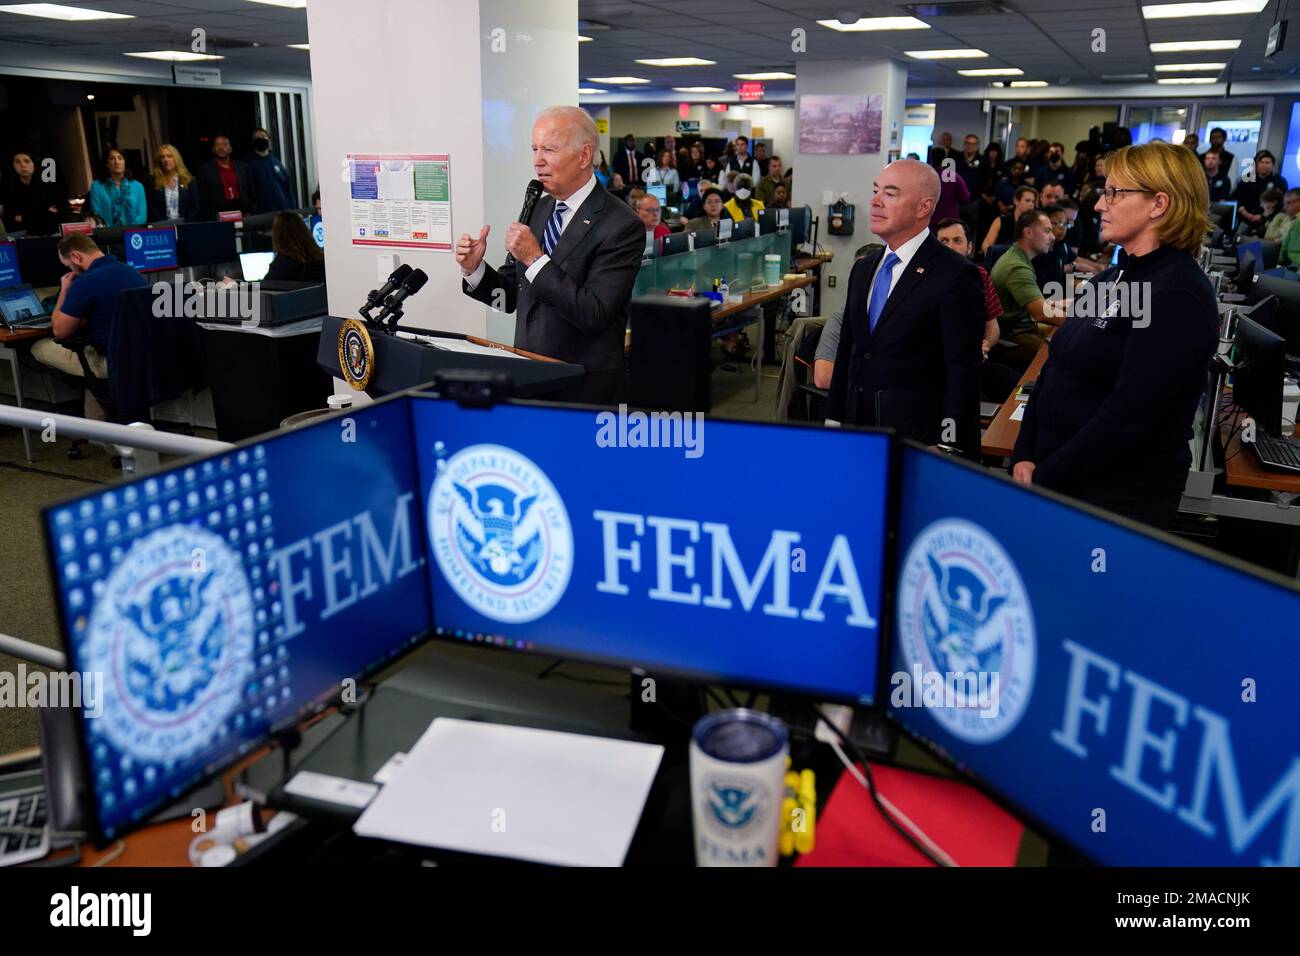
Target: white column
[[817, 175], [435, 76]]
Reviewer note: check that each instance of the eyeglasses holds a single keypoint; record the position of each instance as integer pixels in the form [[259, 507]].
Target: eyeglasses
[[1110, 192]]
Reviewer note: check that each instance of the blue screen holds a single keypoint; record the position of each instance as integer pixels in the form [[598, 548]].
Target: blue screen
[[1289, 161], [150, 249], [222, 599], [9, 275], [1143, 707], [547, 528]]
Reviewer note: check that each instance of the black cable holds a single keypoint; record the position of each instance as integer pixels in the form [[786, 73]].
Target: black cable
[[859, 757], [544, 674]]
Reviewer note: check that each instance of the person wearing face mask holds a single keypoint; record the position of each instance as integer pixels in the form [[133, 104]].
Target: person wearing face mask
[[271, 178], [743, 205], [28, 202]]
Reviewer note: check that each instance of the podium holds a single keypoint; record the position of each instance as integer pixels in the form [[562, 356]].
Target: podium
[[401, 363]]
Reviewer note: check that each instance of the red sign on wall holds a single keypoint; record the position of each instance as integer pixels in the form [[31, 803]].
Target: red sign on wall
[[749, 92]]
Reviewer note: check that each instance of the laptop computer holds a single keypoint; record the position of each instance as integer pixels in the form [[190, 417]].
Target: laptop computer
[[21, 308]]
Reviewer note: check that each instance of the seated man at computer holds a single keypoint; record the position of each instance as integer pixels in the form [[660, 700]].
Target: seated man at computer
[[1023, 303], [87, 297]]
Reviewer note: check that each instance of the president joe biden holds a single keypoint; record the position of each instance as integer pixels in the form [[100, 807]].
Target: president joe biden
[[574, 263]]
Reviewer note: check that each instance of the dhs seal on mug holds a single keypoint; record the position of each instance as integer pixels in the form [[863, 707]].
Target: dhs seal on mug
[[737, 782]]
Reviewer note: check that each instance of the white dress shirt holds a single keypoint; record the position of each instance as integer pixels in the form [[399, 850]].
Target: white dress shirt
[[905, 252], [576, 199]]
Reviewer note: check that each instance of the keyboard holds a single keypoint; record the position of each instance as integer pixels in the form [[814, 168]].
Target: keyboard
[[25, 808], [1275, 452]]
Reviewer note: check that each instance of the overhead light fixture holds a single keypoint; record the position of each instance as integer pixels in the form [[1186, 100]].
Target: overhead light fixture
[[773, 75], [876, 23], [1214, 8], [58, 11], [583, 39], [293, 4], [960, 54], [176, 56], [618, 80], [926, 106], [1125, 76], [758, 106], [590, 91], [994, 71], [300, 46], [678, 61], [1187, 67], [1027, 83], [698, 89], [1187, 80], [1194, 46]]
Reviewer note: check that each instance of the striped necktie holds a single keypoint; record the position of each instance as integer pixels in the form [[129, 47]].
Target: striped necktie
[[553, 226]]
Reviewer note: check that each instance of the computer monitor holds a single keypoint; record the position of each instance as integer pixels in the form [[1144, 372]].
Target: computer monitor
[[253, 265], [218, 603], [317, 229], [690, 189], [150, 250], [675, 243], [743, 229], [1102, 708], [18, 303], [1251, 249], [107, 235], [725, 226], [705, 237], [206, 243], [659, 191], [1247, 265], [614, 550], [1257, 384], [769, 220], [800, 223], [1224, 215], [38, 261], [10, 274]]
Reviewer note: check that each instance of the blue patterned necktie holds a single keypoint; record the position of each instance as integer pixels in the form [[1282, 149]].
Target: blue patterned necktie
[[553, 225], [880, 290]]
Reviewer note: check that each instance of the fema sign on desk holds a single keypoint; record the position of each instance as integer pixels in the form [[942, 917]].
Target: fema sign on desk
[[1145, 708]]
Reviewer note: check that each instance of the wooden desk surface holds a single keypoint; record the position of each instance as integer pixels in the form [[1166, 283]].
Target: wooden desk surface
[[22, 335], [1244, 469], [752, 299], [1000, 438], [811, 262]]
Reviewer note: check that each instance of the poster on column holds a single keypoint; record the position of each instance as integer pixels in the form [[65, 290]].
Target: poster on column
[[401, 199], [840, 124]]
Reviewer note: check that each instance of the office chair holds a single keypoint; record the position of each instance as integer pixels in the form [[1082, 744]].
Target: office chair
[[97, 387], [995, 252]]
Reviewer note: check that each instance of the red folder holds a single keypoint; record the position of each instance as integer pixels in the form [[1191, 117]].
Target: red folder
[[970, 827]]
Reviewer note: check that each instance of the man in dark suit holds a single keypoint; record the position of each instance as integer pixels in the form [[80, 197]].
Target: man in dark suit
[[909, 354], [574, 263], [225, 184], [627, 163]]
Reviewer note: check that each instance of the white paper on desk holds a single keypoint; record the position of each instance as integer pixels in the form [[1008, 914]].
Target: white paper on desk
[[461, 345], [516, 792], [1019, 413]]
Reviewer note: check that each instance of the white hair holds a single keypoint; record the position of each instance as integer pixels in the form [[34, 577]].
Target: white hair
[[578, 126]]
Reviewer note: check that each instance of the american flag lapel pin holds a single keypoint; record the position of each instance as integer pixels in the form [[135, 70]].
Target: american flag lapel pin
[[586, 222], [920, 270]]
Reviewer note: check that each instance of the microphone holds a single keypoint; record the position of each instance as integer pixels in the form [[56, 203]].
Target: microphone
[[377, 296], [531, 195], [412, 284]]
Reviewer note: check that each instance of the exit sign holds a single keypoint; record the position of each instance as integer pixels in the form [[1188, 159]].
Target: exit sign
[[719, 107], [749, 92]]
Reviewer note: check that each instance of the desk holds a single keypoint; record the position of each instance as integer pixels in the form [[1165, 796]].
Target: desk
[[1000, 438], [8, 340]]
